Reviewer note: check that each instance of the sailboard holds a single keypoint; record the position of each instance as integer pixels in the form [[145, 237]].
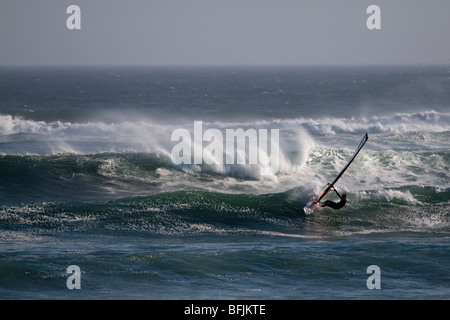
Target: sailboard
[[309, 207]]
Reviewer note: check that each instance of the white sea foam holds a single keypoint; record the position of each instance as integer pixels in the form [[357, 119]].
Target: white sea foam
[[145, 135], [389, 195], [312, 151], [428, 121]]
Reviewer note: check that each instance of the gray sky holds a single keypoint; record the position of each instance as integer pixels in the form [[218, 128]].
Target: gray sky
[[204, 32]]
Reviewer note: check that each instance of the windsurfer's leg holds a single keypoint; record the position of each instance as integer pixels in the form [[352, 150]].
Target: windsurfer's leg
[[326, 203]]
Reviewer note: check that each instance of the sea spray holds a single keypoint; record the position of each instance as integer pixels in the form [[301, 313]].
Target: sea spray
[[230, 149]]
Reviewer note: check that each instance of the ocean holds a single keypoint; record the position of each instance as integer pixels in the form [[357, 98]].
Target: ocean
[[88, 179]]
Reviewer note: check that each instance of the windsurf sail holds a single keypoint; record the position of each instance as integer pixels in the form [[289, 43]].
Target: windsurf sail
[[310, 205]]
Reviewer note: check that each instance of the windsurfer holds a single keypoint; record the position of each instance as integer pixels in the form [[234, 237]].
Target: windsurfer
[[333, 204]]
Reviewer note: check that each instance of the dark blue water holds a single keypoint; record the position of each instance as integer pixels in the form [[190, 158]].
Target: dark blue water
[[87, 179]]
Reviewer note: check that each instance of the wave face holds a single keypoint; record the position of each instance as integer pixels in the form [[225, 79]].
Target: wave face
[[198, 213], [112, 140], [134, 157], [405, 164]]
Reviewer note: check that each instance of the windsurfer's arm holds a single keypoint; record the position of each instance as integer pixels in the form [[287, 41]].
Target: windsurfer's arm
[[337, 194]]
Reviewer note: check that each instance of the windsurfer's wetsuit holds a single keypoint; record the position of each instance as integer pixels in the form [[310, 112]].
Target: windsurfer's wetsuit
[[333, 204]]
